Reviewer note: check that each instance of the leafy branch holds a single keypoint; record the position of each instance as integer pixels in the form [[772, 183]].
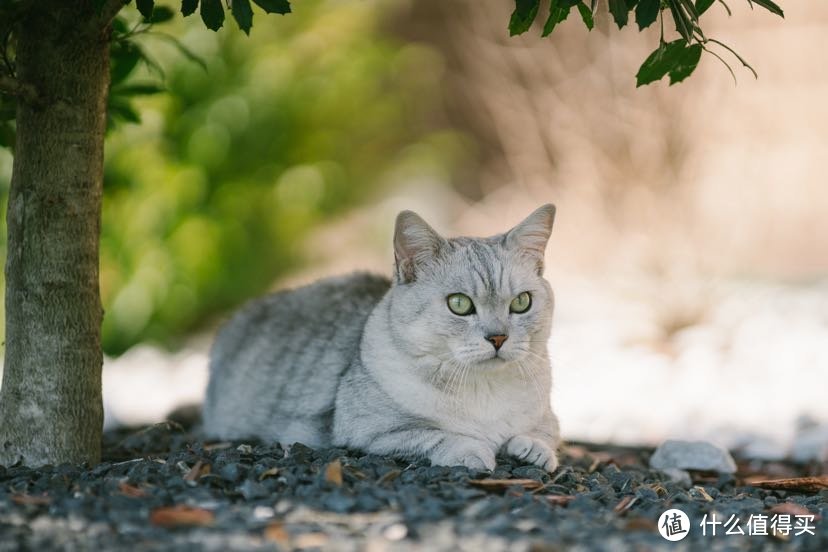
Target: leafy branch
[[127, 53], [677, 58]]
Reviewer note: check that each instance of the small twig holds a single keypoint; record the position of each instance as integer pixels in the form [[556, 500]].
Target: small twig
[[183, 50], [740, 58], [726, 64]]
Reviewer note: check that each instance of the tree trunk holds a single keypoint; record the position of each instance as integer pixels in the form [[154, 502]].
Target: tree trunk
[[50, 402]]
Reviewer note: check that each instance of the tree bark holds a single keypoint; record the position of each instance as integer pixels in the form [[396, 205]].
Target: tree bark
[[50, 402]]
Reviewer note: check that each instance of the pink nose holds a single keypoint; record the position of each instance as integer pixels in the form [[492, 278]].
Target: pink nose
[[497, 340]]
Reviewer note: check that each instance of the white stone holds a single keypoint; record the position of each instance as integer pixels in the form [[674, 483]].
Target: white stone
[[692, 455]]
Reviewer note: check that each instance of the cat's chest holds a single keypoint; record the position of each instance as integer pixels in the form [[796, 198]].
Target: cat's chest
[[494, 413], [489, 408]]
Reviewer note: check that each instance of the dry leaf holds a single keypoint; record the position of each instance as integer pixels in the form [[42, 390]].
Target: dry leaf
[[703, 493], [641, 524], [29, 499], [272, 472], [310, 540], [576, 451], [502, 484], [352, 471], [625, 504], [802, 484], [276, 532], [181, 516], [198, 469], [333, 473], [388, 477], [559, 500], [131, 490], [793, 509], [221, 445]]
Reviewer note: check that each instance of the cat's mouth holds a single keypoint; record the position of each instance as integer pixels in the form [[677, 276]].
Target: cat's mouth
[[493, 359], [489, 359]]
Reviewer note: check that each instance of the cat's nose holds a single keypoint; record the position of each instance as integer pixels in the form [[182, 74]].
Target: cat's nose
[[497, 340]]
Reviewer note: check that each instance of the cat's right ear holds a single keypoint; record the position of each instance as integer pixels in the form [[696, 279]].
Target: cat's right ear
[[415, 243], [531, 235]]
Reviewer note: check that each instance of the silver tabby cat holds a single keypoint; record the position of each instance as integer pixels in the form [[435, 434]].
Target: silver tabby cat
[[447, 362]]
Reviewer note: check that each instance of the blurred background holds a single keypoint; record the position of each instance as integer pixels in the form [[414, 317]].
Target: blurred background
[[690, 253]]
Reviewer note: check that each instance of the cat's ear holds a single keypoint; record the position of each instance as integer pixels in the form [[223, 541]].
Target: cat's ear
[[415, 243], [531, 235]]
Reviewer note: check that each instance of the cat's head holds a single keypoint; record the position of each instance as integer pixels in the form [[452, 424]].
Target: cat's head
[[472, 301]]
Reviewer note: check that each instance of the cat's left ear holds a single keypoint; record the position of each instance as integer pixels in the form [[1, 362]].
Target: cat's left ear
[[532, 235]]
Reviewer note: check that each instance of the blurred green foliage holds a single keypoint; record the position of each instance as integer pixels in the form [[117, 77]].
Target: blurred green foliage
[[208, 198]]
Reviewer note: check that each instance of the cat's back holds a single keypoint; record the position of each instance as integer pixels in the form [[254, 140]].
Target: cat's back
[[275, 366]]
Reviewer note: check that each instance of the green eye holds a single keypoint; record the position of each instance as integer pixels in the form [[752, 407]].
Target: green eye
[[521, 303], [460, 304]]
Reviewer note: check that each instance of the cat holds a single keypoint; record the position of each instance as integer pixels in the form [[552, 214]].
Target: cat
[[448, 361]]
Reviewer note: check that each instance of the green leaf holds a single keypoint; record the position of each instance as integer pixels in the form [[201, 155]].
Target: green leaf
[[726, 7], [655, 66], [770, 6], [684, 26], [145, 7], [242, 14], [274, 6], [7, 135], [119, 26], [703, 5], [523, 16], [676, 58], [136, 90], [124, 56], [151, 64], [188, 7], [586, 15], [685, 63], [619, 9], [212, 13], [690, 10], [557, 13], [122, 109], [646, 13], [162, 14], [8, 110]]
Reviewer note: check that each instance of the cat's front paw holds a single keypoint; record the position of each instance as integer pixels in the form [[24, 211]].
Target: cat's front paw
[[473, 455], [533, 450]]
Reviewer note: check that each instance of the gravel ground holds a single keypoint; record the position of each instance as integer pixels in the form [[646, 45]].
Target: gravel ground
[[160, 488]]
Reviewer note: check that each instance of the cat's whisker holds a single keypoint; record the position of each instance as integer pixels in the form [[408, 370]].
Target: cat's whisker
[[536, 355], [536, 385]]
